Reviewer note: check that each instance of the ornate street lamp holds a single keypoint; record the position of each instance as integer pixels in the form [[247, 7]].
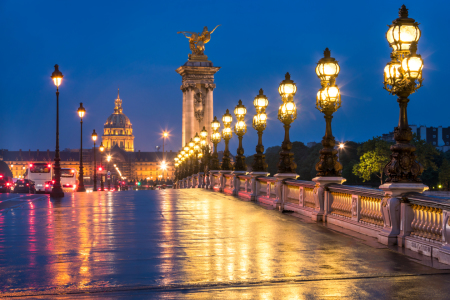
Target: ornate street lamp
[[101, 148], [259, 124], [287, 113], [57, 191], [215, 139], [402, 77], [328, 101], [205, 151], [196, 148], [94, 138], [240, 129], [227, 133], [80, 188]]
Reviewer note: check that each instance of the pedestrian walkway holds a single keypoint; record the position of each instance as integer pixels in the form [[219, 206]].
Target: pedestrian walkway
[[192, 244]]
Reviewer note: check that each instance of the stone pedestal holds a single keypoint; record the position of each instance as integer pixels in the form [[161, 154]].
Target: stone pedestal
[[278, 203], [200, 178], [197, 87], [319, 195], [222, 179], [236, 183], [211, 179], [391, 208], [255, 185], [194, 181]]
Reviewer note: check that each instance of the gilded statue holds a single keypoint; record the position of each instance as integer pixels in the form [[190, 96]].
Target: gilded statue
[[197, 41]]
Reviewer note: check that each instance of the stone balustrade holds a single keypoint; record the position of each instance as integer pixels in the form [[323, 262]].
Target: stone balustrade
[[419, 222]]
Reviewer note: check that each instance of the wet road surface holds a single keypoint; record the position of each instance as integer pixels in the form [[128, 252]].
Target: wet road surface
[[191, 244]]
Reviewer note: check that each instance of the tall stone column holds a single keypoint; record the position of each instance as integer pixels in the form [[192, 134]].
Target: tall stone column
[[197, 77]]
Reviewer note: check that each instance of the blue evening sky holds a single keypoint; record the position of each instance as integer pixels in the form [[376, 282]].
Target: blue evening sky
[[102, 44]]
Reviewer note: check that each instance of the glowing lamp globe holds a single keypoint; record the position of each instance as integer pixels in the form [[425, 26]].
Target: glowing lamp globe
[[287, 87], [57, 76], [327, 68], [403, 32], [81, 111]]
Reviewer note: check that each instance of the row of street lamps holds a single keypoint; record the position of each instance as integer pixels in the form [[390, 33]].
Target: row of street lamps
[[402, 77]]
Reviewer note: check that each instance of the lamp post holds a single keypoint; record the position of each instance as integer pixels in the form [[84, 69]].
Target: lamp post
[[240, 129], [341, 146], [328, 101], [287, 113], [259, 124], [80, 188], [205, 152], [196, 148], [402, 77], [101, 148], [108, 159], [215, 139], [94, 138], [57, 191], [227, 133], [165, 134]]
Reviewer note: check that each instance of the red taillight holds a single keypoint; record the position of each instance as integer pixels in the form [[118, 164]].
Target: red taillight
[[46, 185], [7, 184], [49, 165], [31, 165], [53, 181], [28, 184], [1, 176]]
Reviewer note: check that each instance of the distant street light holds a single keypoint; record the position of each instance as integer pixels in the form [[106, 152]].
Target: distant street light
[[402, 77], [57, 191], [101, 148], [215, 139], [328, 101], [81, 113], [341, 146], [259, 124], [287, 113], [240, 129], [196, 147], [108, 159], [94, 138], [227, 133]]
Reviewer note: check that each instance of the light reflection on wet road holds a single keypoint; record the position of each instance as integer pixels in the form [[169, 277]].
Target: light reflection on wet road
[[194, 244]]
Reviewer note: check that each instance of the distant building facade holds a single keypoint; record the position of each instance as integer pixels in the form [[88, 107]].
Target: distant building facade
[[132, 165], [118, 130], [436, 136]]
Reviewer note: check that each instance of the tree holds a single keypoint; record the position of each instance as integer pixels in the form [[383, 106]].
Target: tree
[[444, 174], [371, 163], [375, 154], [426, 154]]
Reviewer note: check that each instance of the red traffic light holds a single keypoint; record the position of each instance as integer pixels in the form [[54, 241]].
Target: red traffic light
[[136, 183], [31, 165], [100, 168], [49, 165]]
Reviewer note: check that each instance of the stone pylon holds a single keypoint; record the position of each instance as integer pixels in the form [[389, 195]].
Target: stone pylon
[[197, 87]]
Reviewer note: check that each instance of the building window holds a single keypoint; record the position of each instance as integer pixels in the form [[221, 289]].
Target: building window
[[447, 135], [434, 129], [446, 143], [434, 143], [434, 135]]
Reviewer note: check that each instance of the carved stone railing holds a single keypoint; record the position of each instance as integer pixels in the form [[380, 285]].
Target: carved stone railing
[[415, 221]]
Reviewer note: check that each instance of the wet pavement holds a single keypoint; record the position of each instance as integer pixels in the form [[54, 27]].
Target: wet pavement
[[191, 244]]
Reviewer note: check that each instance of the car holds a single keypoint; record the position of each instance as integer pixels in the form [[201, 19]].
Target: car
[[48, 186], [25, 186], [6, 184]]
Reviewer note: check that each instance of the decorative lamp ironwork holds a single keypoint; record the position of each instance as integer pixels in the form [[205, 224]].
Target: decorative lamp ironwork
[[328, 101], [403, 32]]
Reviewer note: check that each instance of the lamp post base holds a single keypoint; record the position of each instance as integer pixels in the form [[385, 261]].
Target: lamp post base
[[322, 182], [81, 189], [57, 193], [390, 208]]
